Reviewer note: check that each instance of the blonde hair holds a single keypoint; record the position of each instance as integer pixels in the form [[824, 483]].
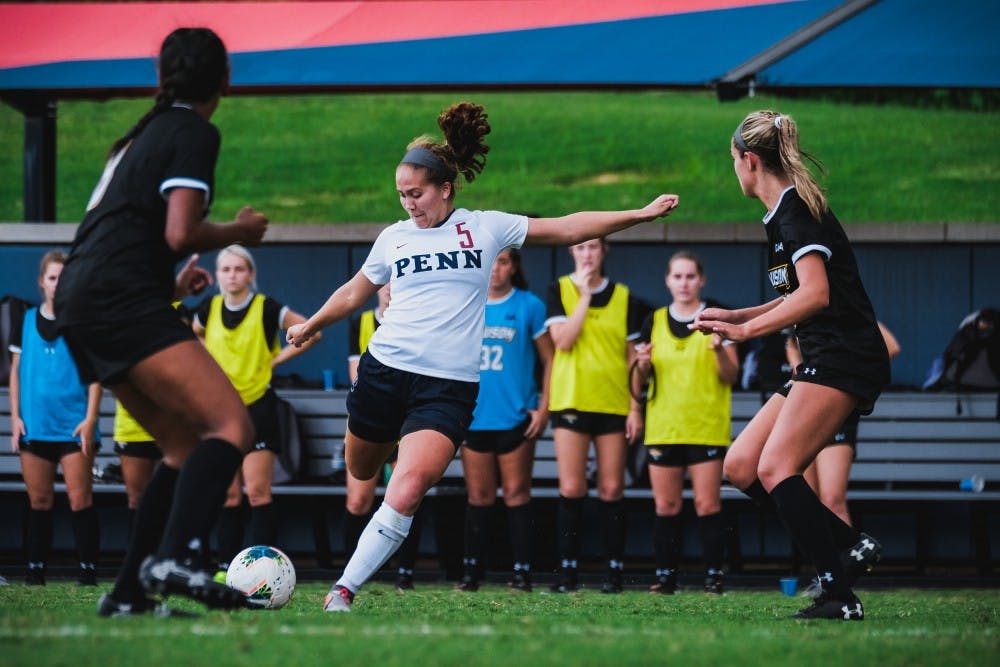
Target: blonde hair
[[244, 254], [774, 138], [51, 257]]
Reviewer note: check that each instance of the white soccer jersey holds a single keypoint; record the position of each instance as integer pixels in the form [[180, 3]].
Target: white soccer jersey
[[440, 278]]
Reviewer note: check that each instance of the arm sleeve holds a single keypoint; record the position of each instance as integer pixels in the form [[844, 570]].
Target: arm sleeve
[[201, 312], [273, 314], [802, 235], [553, 302], [376, 268], [196, 149], [646, 332], [508, 229], [638, 310], [536, 313]]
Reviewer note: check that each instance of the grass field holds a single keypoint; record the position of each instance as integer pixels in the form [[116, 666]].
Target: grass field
[[434, 625], [331, 158]]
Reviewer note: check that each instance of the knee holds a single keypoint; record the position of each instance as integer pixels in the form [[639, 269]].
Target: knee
[[667, 506], [516, 493], [836, 501], [573, 488], [739, 471], [259, 494], [707, 506], [483, 497], [41, 501], [610, 491], [359, 505], [234, 497], [79, 501]]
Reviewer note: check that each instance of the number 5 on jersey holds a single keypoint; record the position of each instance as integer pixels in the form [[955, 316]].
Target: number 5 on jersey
[[462, 231]]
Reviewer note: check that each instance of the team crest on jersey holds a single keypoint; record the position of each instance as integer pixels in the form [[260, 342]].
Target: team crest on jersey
[[439, 261], [778, 277]]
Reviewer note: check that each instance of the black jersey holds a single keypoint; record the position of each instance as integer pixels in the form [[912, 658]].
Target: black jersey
[[844, 335], [120, 266], [46, 329], [638, 309]]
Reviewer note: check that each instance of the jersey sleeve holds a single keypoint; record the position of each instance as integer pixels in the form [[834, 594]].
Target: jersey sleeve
[[354, 340], [646, 332], [508, 229], [802, 235], [195, 151], [638, 310], [274, 312], [16, 332], [200, 312], [376, 268], [554, 309], [536, 316]]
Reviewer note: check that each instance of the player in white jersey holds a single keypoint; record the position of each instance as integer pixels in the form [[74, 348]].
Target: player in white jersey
[[418, 381]]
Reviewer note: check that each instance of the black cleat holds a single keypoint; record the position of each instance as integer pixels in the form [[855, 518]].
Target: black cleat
[[404, 582], [568, 582], [87, 577], [35, 576], [520, 581], [108, 607], [861, 558], [666, 584], [826, 607], [713, 583], [468, 584], [612, 582], [168, 577]]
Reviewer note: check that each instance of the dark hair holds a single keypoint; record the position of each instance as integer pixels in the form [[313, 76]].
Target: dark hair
[[463, 152], [686, 254], [193, 66], [517, 279]]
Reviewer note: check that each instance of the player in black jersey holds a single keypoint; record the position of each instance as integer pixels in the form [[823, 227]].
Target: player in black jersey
[[844, 367], [114, 308]]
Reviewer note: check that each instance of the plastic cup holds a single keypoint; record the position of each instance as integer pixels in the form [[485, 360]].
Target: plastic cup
[[789, 586], [974, 484], [327, 379]]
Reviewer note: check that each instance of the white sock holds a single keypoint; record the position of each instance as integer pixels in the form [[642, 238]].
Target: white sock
[[379, 541]]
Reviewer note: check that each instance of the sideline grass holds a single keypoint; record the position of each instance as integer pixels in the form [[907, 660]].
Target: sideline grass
[[434, 625], [331, 158]]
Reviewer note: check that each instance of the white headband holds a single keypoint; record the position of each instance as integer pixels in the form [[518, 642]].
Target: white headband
[[777, 122]]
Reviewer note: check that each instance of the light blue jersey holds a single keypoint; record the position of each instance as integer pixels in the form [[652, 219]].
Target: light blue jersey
[[507, 388]]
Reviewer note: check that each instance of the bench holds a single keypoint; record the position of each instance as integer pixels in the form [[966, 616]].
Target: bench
[[913, 450]]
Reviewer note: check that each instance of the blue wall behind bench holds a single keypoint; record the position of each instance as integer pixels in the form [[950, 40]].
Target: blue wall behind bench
[[921, 291]]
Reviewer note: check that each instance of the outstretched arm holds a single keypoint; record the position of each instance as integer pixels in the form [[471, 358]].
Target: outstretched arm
[[578, 227], [348, 298]]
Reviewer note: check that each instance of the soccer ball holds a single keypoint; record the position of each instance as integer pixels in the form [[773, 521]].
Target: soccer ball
[[265, 574]]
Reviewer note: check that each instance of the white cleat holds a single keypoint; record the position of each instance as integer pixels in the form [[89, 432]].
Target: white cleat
[[338, 599]]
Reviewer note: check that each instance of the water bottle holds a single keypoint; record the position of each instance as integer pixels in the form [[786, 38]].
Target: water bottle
[[974, 484]]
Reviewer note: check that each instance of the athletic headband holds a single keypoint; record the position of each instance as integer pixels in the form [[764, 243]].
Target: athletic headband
[[426, 158], [777, 122], [738, 139]]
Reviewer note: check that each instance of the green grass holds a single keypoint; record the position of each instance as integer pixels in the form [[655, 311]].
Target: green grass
[[434, 625], [331, 158]]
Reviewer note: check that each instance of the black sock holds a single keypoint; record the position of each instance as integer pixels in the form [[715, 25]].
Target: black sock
[[406, 557], [803, 513], [843, 534], [39, 536], [131, 523], [147, 528], [760, 496], [201, 490], [713, 539], [667, 543], [263, 524], [521, 535], [353, 525], [229, 533], [569, 519], [87, 532], [477, 521], [613, 518]]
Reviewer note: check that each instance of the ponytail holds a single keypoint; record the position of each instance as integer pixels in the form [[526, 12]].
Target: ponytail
[[774, 138], [463, 152]]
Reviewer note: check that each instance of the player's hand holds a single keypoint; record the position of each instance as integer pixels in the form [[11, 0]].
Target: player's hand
[[725, 330], [582, 282], [644, 354], [719, 314], [297, 335], [634, 425], [252, 225], [536, 426], [191, 279], [16, 433], [88, 443], [660, 207]]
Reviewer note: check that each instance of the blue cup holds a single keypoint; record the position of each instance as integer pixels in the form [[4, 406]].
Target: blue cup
[[974, 484], [327, 379], [789, 586]]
